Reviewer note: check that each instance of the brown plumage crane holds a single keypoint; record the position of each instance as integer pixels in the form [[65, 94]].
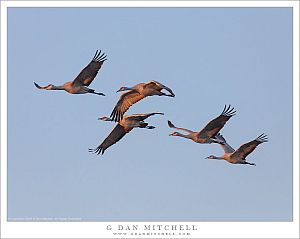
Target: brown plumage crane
[[80, 84], [208, 133], [123, 127], [135, 94], [238, 156]]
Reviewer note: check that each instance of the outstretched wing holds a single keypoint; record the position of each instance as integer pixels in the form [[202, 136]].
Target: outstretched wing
[[88, 74], [215, 125], [141, 117], [116, 134], [244, 150], [223, 143], [156, 83], [125, 101]]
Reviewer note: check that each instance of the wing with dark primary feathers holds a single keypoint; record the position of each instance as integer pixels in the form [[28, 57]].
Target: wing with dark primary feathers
[[88, 74], [160, 85], [126, 100], [215, 125], [244, 150], [115, 135], [141, 117]]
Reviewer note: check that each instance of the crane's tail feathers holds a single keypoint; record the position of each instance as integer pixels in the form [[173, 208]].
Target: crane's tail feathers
[[228, 111]]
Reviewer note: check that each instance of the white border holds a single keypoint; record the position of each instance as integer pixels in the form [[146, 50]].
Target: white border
[[149, 3], [98, 229]]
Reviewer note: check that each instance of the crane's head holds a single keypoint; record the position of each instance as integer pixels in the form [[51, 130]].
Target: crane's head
[[175, 134], [123, 88], [105, 118]]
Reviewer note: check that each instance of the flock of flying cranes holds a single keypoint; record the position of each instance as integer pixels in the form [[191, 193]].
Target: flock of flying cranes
[[125, 123]]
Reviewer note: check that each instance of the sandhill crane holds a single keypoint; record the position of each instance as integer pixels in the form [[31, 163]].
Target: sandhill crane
[[80, 84], [135, 94], [238, 156], [208, 133], [123, 127]]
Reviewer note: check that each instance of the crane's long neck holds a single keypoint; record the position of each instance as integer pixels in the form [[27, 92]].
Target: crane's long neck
[[216, 157], [187, 136], [219, 158], [183, 129]]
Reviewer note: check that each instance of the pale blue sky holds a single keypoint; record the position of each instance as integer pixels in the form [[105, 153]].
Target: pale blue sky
[[208, 56]]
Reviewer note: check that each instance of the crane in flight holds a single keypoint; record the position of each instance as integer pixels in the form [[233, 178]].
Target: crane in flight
[[123, 127], [238, 156], [135, 94], [208, 133], [80, 84]]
